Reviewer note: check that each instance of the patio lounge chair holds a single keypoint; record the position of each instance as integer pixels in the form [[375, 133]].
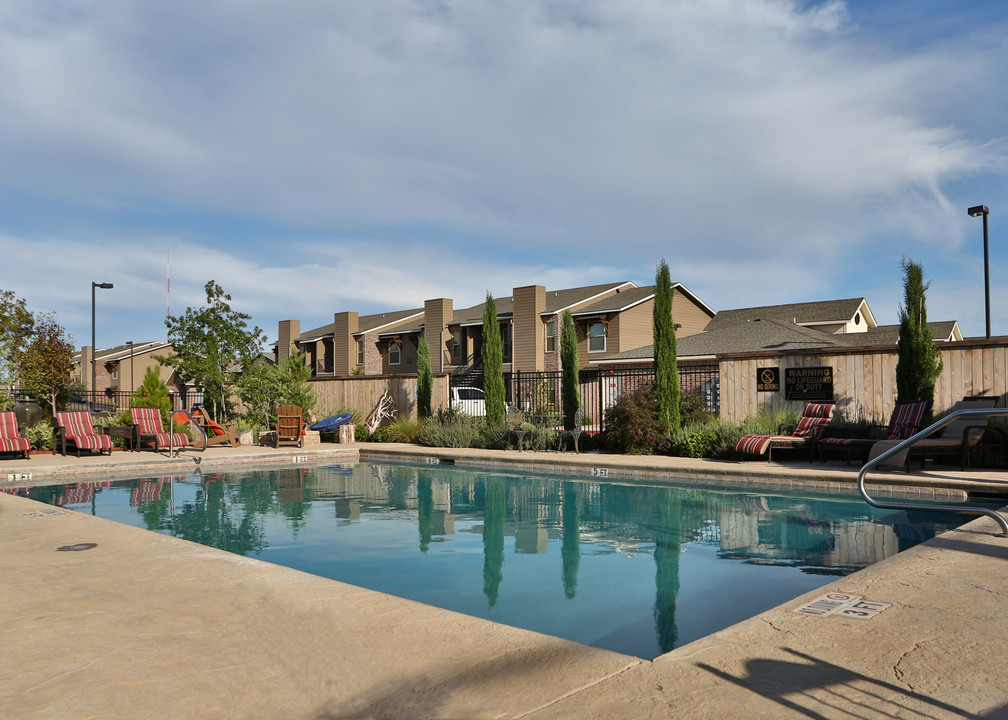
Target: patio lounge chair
[[290, 424], [957, 438], [149, 428], [77, 429], [906, 419], [803, 434], [10, 439]]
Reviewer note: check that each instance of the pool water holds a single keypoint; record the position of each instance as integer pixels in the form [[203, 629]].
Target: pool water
[[634, 568]]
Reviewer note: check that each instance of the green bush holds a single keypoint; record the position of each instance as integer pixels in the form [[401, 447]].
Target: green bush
[[405, 430], [40, 435], [632, 423], [458, 430], [380, 435], [494, 437]]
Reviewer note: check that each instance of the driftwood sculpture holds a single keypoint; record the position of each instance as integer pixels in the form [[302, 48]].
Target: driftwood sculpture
[[384, 410]]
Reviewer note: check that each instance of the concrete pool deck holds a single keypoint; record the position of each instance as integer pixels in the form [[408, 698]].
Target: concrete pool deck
[[146, 625]]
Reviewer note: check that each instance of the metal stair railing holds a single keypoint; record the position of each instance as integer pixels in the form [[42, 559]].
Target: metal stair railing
[[913, 440]]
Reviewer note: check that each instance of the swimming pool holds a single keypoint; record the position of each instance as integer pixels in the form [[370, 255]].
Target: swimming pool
[[636, 568]]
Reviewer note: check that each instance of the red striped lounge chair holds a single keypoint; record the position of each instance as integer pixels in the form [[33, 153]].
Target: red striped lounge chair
[[77, 429], [906, 419], [10, 439], [813, 420], [149, 428]]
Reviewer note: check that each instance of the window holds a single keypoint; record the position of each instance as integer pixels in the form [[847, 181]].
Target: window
[[360, 352], [506, 343], [551, 336], [394, 353], [456, 346], [596, 337]]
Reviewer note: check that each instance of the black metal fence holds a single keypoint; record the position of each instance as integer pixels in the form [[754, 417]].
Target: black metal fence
[[538, 393], [103, 401]]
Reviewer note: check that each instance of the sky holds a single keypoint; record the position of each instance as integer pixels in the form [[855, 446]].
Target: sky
[[320, 156]]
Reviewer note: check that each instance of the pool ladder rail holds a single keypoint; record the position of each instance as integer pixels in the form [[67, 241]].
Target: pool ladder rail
[[206, 438], [913, 440]]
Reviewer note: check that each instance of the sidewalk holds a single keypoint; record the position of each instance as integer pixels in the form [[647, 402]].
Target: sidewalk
[[145, 625]]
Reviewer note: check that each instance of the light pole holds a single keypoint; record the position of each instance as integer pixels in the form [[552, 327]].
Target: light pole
[[981, 210], [103, 286], [132, 386]]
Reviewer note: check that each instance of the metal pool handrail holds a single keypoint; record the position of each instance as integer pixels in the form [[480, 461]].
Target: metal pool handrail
[[913, 440]]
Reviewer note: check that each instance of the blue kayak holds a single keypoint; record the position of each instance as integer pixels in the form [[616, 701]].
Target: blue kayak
[[331, 424]]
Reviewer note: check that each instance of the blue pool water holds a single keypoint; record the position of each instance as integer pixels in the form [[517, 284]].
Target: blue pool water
[[634, 568]]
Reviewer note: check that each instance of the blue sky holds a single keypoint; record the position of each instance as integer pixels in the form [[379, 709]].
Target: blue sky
[[321, 156]]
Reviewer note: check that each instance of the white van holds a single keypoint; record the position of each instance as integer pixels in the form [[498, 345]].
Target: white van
[[469, 400]]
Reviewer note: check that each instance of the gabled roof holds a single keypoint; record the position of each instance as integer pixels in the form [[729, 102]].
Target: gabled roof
[[365, 324], [943, 331], [559, 300], [623, 300], [474, 315], [617, 302], [124, 351], [825, 312], [379, 321], [772, 336]]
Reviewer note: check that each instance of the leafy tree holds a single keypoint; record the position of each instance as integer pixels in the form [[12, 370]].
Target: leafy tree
[[16, 327], [425, 379], [294, 386], [666, 370], [493, 364], [213, 345], [153, 393], [46, 363], [570, 391], [918, 363], [259, 391]]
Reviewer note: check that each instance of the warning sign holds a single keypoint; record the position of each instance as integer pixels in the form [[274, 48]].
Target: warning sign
[[842, 604], [812, 384]]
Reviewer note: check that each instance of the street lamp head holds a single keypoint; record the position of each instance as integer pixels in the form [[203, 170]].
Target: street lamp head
[[978, 210], [103, 286]]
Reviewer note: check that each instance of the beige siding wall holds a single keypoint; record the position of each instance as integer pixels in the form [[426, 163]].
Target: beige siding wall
[[288, 332], [529, 340], [363, 393], [688, 315], [632, 328], [437, 314], [345, 324], [864, 382]]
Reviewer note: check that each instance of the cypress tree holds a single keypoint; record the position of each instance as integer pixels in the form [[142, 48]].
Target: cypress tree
[[570, 392], [666, 368], [425, 379], [919, 363], [493, 364]]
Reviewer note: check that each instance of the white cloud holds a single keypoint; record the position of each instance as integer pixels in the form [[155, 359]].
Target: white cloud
[[766, 148]]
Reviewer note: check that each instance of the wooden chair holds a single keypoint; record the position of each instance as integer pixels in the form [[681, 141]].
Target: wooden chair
[[10, 439], [75, 428], [289, 426], [147, 421], [804, 434], [215, 434]]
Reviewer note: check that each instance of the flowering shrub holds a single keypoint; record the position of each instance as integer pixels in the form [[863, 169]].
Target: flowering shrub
[[632, 425]]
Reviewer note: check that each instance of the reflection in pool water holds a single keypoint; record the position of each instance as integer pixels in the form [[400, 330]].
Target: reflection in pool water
[[635, 568]]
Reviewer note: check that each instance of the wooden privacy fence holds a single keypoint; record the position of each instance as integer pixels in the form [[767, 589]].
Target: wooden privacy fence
[[363, 393], [864, 380]]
